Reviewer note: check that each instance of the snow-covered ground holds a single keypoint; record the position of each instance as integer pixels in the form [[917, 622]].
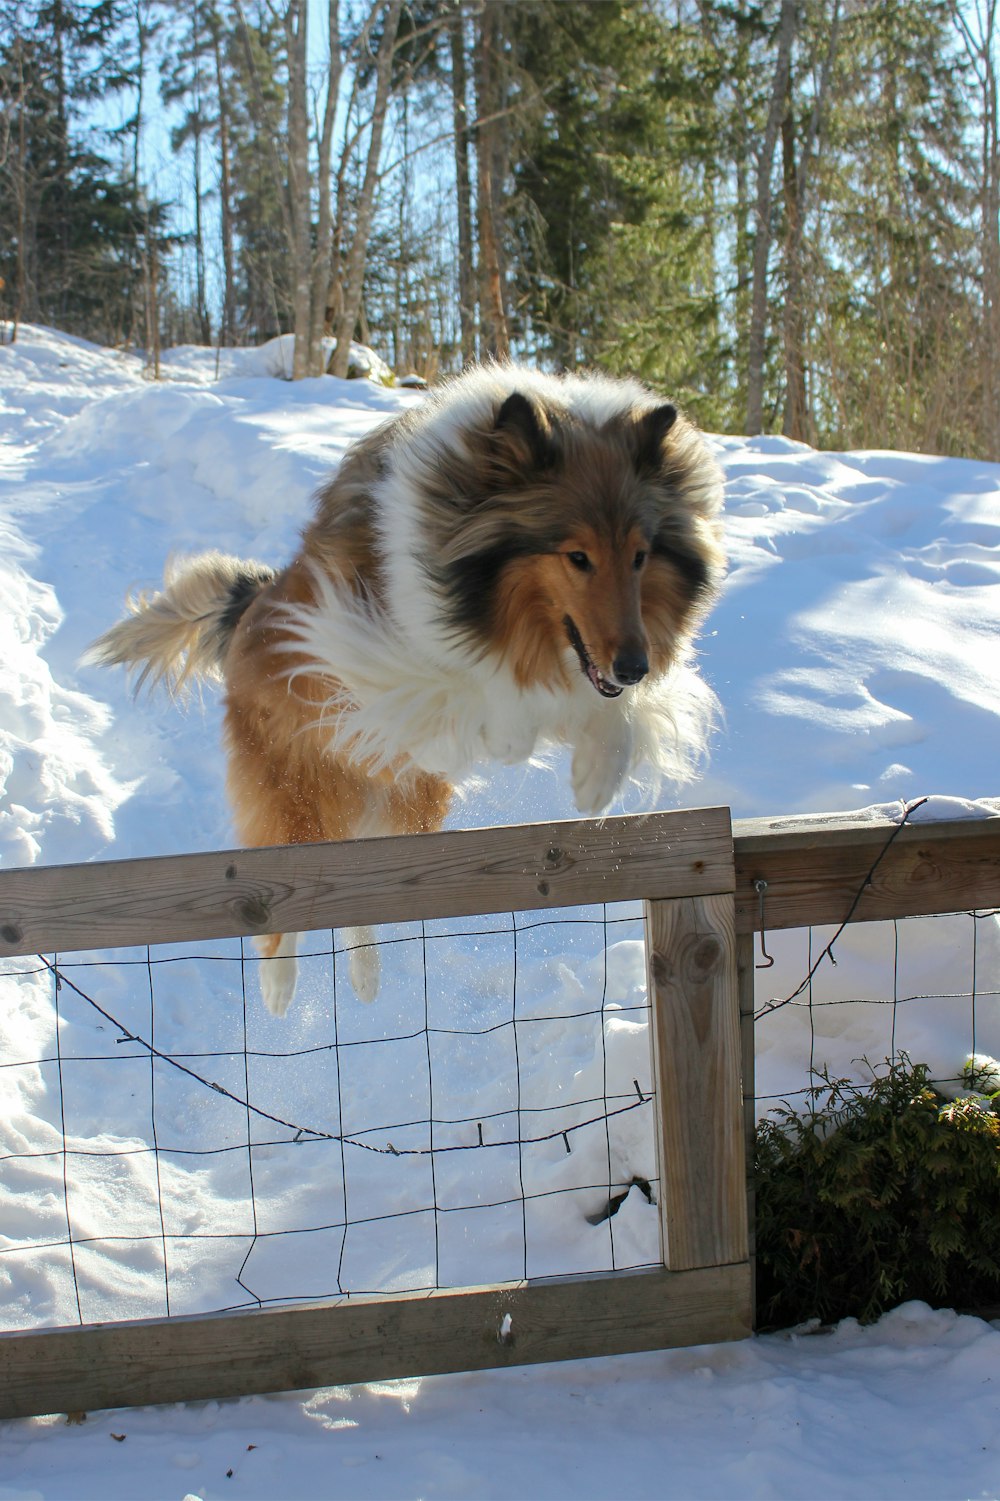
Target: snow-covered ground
[[855, 653]]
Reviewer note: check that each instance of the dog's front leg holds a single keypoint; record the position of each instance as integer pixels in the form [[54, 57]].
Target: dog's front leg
[[279, 970], [363, 964], [601, 759]]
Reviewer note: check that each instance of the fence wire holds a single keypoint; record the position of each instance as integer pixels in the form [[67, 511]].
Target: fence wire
[[484, 1120], [926, 989], [819, 993]]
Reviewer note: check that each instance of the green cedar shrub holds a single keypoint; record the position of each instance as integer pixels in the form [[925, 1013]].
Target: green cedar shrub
[[877, 1194]]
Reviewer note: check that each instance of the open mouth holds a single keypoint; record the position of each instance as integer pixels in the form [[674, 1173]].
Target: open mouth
[[587, 663]]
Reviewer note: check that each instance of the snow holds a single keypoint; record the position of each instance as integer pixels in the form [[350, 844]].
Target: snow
[[855, 654], [905, 1409]]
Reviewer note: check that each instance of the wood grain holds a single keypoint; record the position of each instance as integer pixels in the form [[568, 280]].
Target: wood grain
[[745, 985], [691, 952], [287, 1349], [299, 888], [814, 869]]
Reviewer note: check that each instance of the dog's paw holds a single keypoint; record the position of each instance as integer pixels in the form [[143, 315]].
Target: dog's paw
[[509, 743], [600, 767], [363, 964], [279, 974]]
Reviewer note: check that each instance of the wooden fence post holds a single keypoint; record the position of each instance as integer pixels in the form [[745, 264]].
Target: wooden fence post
[[695, 1032], [745, 962]]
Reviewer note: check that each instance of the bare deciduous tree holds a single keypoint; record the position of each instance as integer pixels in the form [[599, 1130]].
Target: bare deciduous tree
[[490, 161], [757, 339], [463, 187], [354, 264]]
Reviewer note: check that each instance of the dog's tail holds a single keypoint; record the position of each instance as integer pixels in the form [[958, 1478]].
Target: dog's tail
[[183, 632]]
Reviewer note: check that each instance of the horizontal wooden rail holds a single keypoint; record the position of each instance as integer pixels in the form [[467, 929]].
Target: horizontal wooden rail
[[415, 1334], [299, 888], [814, 869]]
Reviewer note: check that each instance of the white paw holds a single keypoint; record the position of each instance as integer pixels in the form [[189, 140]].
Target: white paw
[[279, 975], [600, 767], [510, 743], [363, 964]]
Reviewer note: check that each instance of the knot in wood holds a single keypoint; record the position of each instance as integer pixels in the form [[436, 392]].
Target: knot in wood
[[660, 968], [255, 911], [706, 954], [11, 932]]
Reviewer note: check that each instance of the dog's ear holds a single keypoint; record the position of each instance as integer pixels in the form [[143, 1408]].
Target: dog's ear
[[650, 430], [522, 436]]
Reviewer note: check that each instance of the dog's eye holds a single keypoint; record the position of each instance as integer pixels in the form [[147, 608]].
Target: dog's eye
[[640, 558], [579, 560]]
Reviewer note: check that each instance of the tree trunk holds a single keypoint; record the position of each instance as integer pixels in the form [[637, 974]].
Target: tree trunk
[[299, 182], [991, 247], [324, 221], [290, 168], [796, 410], [61, 153], [976, 24], [757, 340], [152, 258], [990, 221], [227, 327], [204, 322], [796, 183], [463, 190], [140, 34], [354, 267], [494, 336], [21, 274]]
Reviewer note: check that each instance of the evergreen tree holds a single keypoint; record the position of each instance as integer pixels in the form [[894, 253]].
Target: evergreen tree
[[612, 193], [80, 227], [896, 304]]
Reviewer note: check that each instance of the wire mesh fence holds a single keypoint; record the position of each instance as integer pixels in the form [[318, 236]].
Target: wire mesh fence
[[168, 1147], [841, 1001], [172, 1148]]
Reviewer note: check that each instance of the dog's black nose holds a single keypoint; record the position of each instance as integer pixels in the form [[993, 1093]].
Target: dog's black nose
[[630, 667]]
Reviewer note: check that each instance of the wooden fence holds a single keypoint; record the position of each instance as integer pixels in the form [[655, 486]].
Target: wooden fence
[[700, 880]]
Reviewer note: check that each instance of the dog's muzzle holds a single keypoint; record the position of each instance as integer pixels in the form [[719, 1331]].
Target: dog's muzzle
[[629, 667]]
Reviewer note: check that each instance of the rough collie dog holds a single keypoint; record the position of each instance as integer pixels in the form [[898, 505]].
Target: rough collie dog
[[521, 559]]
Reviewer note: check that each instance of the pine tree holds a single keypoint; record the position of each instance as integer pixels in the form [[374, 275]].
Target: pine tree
[[896, 307], [612, 193], [81, 228]]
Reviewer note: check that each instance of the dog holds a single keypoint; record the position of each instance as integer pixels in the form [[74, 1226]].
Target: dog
[[521, 559]]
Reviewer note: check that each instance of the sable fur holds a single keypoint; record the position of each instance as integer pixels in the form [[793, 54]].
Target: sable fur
[[520, 560]]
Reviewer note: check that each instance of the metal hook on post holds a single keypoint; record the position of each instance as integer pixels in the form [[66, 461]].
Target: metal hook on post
[[760, 886]]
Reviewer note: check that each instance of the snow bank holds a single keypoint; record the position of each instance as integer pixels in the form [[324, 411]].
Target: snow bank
[[855, 654]]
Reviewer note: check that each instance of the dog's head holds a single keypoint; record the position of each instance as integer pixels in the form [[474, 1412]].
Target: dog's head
[[582, 540]]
